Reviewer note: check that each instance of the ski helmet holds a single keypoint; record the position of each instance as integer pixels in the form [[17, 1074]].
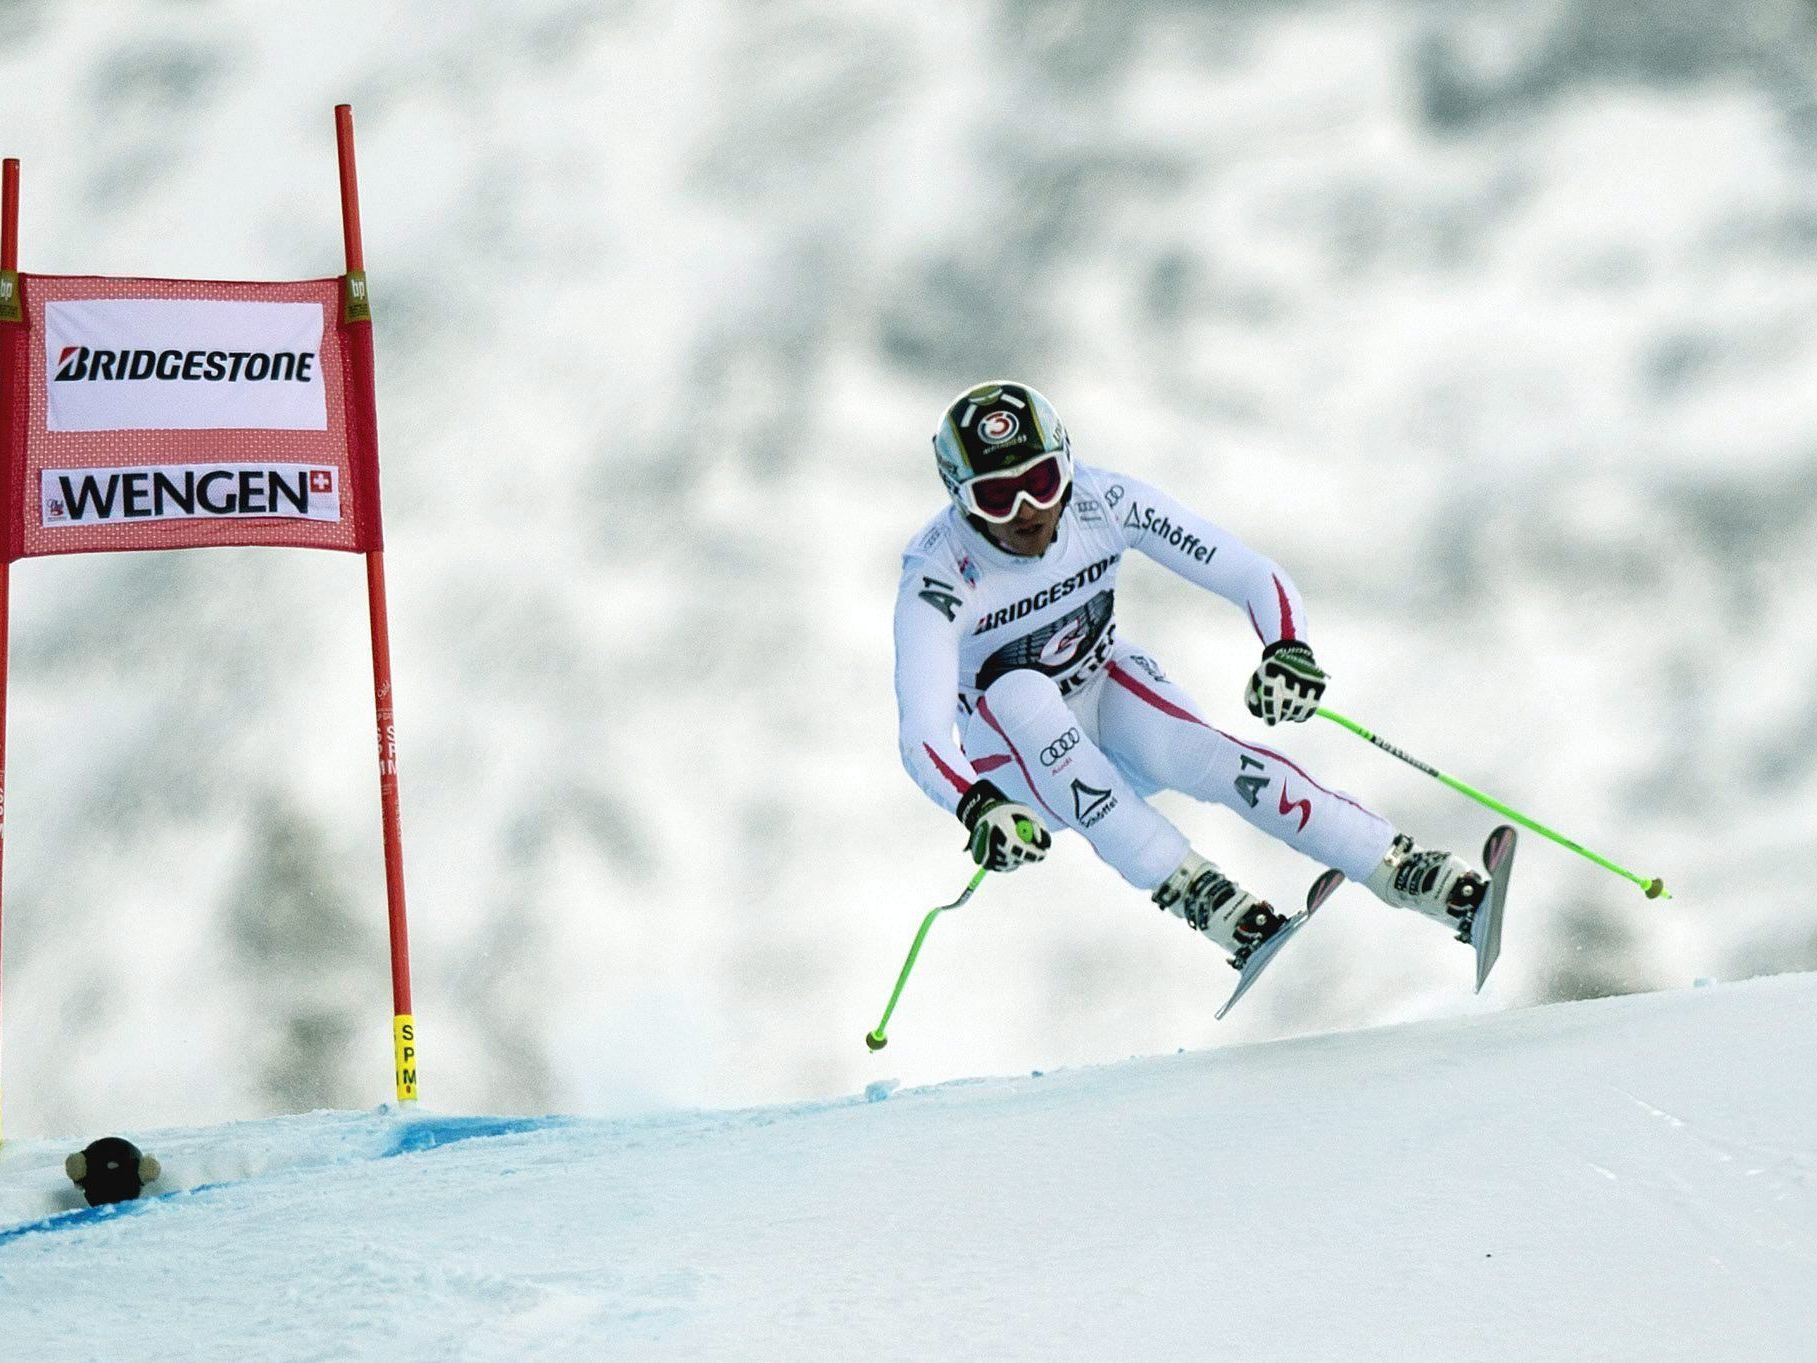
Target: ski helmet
[[996, 427]]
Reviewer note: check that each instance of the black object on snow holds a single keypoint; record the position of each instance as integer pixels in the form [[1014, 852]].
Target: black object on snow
[[111, 1169]]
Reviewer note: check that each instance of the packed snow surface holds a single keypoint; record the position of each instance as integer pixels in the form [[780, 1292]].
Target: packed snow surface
[[1630, 1178]]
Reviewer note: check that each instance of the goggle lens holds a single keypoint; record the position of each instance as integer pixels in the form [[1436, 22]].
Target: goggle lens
[[995, 494]]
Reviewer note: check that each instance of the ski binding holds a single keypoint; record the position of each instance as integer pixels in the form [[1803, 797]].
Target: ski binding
[[1321, 890]]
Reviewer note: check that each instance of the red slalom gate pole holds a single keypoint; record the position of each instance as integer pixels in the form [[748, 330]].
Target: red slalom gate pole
[[403, 1022], [9, 262]]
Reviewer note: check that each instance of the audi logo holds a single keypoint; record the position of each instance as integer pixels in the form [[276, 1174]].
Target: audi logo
[[1062, 745]]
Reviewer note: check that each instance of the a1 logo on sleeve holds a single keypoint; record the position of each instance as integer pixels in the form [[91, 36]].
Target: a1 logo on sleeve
[[940, 596], [120, 364]]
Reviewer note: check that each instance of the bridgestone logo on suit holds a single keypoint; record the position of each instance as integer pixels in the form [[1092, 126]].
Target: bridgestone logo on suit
[[171, 492], [121, 364], [1046, 597]]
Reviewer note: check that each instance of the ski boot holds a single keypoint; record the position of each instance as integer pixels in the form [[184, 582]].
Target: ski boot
[[1219, 908], [1436, 884]]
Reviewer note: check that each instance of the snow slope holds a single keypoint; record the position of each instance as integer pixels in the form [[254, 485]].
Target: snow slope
[[1623, 1179]]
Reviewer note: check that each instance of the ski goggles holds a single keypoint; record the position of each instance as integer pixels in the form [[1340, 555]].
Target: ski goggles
[[995, 497]]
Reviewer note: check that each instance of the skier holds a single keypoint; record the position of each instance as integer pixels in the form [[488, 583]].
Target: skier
[[1006, 608]]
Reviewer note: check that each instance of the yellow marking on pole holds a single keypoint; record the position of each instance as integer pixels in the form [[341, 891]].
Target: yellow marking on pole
[[403, 1041]]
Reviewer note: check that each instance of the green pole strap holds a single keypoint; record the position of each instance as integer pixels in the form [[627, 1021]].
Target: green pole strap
[[1655, 888]]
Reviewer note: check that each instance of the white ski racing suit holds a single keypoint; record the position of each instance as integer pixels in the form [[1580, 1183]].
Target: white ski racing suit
[[1063, 716]]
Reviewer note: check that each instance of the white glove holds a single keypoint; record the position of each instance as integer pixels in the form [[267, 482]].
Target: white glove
[[1004, 834], [1288, 686]]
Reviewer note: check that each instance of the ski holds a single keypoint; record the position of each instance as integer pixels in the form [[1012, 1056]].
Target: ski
[[1321, 890], [1486, 928]]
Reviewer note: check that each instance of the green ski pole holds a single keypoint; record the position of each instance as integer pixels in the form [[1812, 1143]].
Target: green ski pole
[[877, 1040], [1654, 888]]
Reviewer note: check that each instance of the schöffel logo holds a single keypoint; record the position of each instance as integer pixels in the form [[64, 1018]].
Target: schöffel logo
[[171, 492], [1091, 804], [79, 364], [1145, 520], [123, 364]]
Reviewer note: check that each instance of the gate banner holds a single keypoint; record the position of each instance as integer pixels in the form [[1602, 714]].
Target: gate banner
[[176, 414]]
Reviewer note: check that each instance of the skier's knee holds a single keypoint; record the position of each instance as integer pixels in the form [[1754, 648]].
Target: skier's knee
[[1021, 695]]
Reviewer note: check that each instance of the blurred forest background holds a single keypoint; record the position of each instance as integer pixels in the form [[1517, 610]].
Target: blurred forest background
[[1494, 322]]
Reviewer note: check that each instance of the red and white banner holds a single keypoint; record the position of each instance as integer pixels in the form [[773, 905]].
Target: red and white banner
[[174, 414]]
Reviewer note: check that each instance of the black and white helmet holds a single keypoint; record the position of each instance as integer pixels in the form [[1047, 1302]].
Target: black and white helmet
[[998, 444]]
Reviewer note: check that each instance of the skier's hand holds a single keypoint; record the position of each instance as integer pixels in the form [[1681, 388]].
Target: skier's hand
[[1004, 834], [1288, 685]]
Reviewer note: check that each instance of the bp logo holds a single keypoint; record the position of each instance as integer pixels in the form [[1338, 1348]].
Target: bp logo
[[998, 427]]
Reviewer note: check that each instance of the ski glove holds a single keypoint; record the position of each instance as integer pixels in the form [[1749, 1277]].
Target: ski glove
[[1004, 834], [1287, 686]]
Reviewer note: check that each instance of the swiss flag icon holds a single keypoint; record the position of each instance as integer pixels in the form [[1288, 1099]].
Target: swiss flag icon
[[321, 480]]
